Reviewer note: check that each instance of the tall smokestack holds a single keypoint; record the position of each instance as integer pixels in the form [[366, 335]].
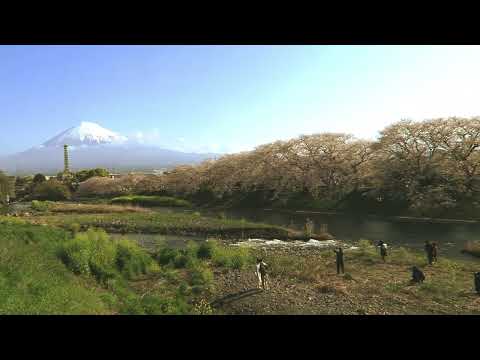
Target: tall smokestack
[[66, 169]]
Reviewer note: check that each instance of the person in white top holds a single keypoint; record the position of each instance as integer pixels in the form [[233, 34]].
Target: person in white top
[[383, 249], [261, 272]]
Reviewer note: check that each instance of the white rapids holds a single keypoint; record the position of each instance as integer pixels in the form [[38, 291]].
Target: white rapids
[[256, 243]]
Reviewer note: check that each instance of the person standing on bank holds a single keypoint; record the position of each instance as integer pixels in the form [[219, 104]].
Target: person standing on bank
[[429, 251], [434, 252], [340, 266], [261, 272], [383, 249], [476, 281]]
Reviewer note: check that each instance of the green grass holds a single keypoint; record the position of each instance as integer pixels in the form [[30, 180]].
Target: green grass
[[169, 224], [95, 253], [44, 270], [151, 201], [78, 208], [41, 206], [34, 281], [211, 252]]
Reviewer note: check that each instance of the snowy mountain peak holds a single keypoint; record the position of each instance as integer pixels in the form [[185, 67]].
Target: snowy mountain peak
[[87, 133]]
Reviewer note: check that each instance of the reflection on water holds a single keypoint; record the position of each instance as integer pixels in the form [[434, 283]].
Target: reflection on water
[[450, 237]]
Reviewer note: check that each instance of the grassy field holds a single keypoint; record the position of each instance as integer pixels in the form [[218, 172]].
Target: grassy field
[[34, 281], [169, 223], [48, 270], [78, 208], [151, 201]]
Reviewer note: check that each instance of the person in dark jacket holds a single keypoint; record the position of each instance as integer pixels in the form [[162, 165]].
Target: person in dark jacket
[[429, 251], [417, 275], [340, 266], [477, 282]]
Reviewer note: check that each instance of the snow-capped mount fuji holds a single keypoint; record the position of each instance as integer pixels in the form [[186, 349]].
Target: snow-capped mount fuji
[[93, 146], [86, 134]]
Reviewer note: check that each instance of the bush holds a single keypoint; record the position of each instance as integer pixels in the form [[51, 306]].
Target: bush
[[200, 275], [52, 190], [202, 307], [90, 253], [84, 175], [166, 255], [154, 305], [41, 206], [131, 259], [179, 258], [224, 256], [231, 257], [206, 249], [180, 261], [151, 201], [94, 253], [39, 178]]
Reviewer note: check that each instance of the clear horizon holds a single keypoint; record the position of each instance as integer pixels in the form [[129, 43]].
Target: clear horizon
[[229, 98]]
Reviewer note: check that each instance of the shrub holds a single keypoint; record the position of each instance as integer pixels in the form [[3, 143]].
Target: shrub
[[84, 175], [231, 257], [92, 209], [151, 201], [154, 305], [166, 255], [404, 256], [131, 259], [202, 307], [75, 228], [94, 253], [179, 258], [41, 206], [51, 190], [91, 253], [206, 249], [180, 261], [39, 178], [200, 275]]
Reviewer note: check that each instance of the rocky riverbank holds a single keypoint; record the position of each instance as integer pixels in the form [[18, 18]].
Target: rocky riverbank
[[303, 280]]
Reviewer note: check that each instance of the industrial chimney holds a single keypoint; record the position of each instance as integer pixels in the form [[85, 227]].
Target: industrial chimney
[[66, 169]]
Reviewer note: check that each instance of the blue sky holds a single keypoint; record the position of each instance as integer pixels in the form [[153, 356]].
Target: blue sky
[[229, 98]]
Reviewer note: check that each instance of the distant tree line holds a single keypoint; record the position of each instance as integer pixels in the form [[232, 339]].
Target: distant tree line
[[428, 168], [60, 187]]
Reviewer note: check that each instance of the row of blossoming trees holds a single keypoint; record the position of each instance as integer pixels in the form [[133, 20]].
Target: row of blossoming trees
[[427, 168]]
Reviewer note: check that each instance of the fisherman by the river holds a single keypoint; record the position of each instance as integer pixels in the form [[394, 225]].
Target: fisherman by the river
[[340, 265]]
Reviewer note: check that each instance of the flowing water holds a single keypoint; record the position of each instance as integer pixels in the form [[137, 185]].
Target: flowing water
[[450, 237]]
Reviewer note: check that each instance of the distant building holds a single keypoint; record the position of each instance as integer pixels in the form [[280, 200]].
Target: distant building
[[115, 176]]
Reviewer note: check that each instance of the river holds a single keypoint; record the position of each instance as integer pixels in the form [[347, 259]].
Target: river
[[449, 237]]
